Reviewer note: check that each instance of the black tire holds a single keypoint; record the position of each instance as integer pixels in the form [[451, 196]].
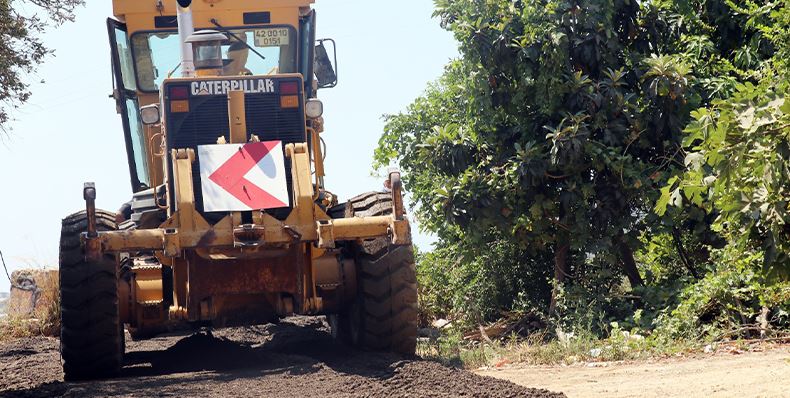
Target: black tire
[[384, 315], [91, 336]]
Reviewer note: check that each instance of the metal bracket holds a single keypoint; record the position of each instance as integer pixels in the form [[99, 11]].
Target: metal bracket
[[396, 185], [326, 234], [293, 233], [248, 235], [91, 242], [400, 233], [89, 194], [171, 242]]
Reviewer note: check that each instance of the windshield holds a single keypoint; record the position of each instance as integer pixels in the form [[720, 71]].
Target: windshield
[[157, 55]]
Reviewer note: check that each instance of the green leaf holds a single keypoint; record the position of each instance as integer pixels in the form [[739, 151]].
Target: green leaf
[[661, 205]]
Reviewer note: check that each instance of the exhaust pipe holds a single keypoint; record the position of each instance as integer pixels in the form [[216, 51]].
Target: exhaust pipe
[[185, 29]]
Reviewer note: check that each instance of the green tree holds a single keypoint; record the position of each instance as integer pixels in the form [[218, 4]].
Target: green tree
[[562, 120], [21, 24], [737, 148]]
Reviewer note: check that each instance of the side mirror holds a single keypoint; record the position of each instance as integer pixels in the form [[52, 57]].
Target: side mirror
[[149, 114], [324, 68]]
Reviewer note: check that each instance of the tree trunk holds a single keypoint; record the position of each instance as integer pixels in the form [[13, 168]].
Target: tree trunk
[[628, 263], [684, 258], [561, 270]]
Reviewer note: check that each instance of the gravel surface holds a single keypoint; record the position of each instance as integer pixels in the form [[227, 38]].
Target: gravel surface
[[296, 358]]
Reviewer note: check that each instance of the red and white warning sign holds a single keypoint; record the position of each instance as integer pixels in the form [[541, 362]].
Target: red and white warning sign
[[241, 177]]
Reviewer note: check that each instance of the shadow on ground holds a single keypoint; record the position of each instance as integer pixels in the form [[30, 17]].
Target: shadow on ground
[[298, 347], [297, 357]]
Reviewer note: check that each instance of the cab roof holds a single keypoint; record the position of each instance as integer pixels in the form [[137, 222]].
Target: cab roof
[[144, 14], [124, 7]]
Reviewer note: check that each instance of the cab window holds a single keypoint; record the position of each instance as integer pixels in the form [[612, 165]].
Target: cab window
[[124, 85], [269, 50]]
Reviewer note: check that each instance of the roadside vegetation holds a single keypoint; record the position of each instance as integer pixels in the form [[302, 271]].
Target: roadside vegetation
[[607, 179], [32, 313]]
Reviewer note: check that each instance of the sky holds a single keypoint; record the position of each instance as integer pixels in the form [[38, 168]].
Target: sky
[[69, 132]]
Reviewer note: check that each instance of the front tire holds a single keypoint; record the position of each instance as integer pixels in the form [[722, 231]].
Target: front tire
[[91, 336], [383, 317]]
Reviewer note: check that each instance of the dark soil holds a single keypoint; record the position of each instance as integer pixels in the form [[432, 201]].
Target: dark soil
[[296, 358]]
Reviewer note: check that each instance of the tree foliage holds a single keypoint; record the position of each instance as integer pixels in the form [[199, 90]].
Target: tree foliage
[[501, 277], [22, 22], [737, 151], [560, 121], [582, 130]]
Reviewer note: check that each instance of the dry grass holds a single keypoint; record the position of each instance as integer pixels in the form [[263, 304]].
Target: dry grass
[[543, 348], [45, 317]]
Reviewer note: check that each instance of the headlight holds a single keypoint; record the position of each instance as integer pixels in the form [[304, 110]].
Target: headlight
[[149, 114], [314, 108]]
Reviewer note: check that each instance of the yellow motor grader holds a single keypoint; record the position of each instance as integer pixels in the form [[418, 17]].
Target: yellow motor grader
[[230, 222]]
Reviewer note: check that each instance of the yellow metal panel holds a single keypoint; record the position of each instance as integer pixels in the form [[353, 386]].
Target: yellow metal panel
[[237, 117], [185, 194], [124, 7], [144, 20], [221, 235], [302, 215]]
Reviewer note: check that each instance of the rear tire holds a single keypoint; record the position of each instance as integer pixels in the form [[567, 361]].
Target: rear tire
[[383, 316], [91, 336]]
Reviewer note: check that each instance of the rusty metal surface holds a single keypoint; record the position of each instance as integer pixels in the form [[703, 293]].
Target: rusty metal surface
[[212, 277], [328, 273], [326, 236], [218, 287]]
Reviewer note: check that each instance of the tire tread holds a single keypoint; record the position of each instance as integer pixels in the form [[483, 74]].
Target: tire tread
[[91, 338], [387, 295]]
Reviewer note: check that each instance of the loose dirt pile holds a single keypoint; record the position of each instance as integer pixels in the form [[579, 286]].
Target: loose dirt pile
[[295, 358]]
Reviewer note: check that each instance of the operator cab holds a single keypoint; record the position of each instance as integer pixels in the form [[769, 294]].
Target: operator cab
[[272, 39]]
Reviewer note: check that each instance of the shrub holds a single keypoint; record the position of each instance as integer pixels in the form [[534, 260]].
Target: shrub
[[727, 301], [476, 285]]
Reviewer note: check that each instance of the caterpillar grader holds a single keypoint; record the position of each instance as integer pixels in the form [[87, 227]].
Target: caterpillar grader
[[230, 223]]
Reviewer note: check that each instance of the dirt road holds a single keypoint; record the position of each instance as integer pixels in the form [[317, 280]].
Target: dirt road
[[751, 374], [297, 358]]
